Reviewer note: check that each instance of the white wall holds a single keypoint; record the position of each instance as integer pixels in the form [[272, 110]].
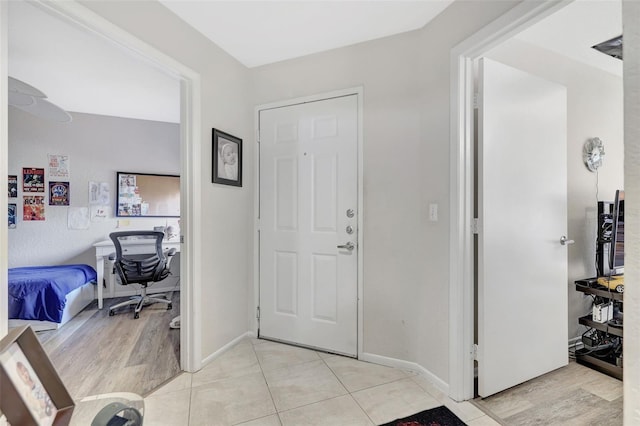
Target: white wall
[[227, 249], [595, 109], [406, 168], [98, 147]]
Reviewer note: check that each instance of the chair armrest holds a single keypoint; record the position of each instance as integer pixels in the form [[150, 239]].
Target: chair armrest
[[169, 255]]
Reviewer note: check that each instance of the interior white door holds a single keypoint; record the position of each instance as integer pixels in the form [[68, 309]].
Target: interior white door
[[308, 208], [522, 266]]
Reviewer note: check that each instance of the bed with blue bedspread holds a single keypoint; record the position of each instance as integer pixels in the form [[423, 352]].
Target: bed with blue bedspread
[[50, 294]]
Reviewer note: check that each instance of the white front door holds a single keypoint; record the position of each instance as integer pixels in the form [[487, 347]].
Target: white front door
[[522, 267], [308, 224]]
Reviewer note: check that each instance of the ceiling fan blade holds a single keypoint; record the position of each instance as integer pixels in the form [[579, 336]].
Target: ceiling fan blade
[[20, 99], [16, 85], [45, 109]]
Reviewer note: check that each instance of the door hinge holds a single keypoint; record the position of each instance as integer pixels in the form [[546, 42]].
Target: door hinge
[[475, 352], [258, 136], [475, 101], [475, 226], [181, 239], [258, 313]]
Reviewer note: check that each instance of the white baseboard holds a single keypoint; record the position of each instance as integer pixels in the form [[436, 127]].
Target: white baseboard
[[225, 348], [407, 365]]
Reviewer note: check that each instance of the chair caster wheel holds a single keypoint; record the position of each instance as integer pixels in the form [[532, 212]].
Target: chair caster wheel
[[169, 307], [136, 316], [111, 313]]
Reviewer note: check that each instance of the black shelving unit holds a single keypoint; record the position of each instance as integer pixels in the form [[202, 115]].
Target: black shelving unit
[[606, 363]]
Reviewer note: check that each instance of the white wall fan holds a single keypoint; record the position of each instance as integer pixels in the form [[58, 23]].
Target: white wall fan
[[29, 99]]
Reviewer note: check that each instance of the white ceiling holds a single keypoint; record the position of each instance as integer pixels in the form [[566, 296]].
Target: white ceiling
[[575, 28], [262, 32], [83, 72]]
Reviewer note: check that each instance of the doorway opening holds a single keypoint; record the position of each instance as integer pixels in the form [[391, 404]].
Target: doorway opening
[[462, 244], [190, 147]]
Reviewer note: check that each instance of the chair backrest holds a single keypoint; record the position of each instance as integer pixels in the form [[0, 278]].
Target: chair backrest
[[140, 268]]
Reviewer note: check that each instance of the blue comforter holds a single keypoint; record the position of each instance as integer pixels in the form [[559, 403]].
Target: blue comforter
[[39, 292]]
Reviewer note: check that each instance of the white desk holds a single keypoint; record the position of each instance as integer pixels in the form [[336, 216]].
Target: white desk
[[139, 246]]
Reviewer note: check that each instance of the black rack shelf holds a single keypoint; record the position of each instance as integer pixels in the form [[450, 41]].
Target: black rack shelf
[[602, 365], [586, 320], [605, 364], [588, 287]]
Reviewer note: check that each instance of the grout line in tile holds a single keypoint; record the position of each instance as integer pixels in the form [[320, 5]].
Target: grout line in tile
[[266, 383], [393, 381], [362, 408], [189, 409], [335, 375]]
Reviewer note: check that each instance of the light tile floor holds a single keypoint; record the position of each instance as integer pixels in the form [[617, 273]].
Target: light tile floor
[[262, 383]]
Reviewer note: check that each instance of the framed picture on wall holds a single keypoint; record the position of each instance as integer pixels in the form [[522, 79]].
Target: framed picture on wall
[[226, 159]]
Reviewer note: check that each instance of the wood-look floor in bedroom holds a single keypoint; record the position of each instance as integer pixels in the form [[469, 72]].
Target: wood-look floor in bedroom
[[95, 353], [572, 395]]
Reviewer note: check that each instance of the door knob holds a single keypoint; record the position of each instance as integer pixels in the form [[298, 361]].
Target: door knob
[[349, 246], [564, 241]]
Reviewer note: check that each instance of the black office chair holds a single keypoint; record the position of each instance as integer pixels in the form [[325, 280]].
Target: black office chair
[[143, 269]]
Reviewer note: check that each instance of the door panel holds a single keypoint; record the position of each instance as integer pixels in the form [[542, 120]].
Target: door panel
[[308, 181], [522, 269]]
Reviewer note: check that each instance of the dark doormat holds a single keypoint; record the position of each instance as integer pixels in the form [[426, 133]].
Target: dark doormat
[[439, 416]]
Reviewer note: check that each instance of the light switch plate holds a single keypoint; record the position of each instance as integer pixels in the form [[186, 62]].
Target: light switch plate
[[433, 212]]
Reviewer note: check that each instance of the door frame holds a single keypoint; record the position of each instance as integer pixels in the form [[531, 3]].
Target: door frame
[[190, 165], [461, 252], [358, 91]]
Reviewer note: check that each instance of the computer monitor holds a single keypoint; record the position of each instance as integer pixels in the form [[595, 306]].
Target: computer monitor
[[616, 250]]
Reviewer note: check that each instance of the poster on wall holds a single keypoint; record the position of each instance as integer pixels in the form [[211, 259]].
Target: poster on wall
[[58, 166], [33, 208], [32, 179], [99, 193], [13, 208], [100, 213], [78, 218], [13, 186], [58, 193]]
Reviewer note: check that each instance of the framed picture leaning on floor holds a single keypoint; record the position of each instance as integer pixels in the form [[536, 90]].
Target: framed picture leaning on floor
[[32, 393]]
